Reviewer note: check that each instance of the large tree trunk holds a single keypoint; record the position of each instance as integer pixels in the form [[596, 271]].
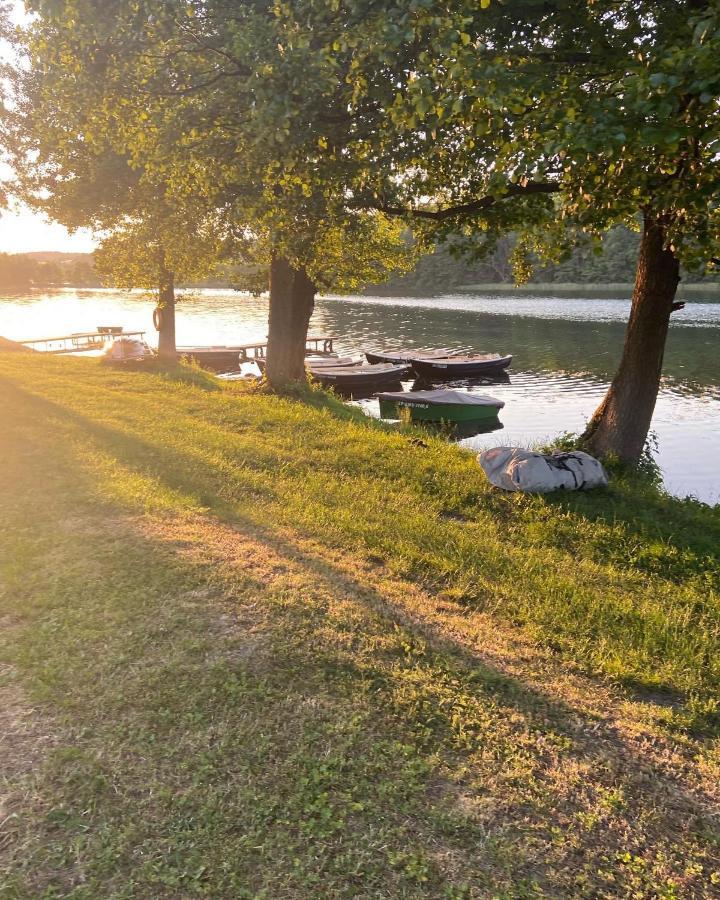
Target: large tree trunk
[[621, 423], [292, 299], [167, 350]]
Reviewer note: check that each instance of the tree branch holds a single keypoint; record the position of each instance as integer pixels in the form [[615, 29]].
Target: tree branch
[[472, 206], [193, 88], [228, 57]]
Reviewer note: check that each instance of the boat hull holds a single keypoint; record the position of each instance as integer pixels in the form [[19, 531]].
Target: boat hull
[[403, 357], [218, 359], [361, 377], [436, 412], [315, 362], [448, 369], [330, 362]]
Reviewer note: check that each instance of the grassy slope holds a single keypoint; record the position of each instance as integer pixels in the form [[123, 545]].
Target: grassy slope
[[261, 647]]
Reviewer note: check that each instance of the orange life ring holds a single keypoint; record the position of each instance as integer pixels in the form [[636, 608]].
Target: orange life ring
[[158, 317]]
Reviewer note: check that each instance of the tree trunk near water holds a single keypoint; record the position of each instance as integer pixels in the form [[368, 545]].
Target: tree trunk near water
[[167, 350], [621, 423], [292, 300]]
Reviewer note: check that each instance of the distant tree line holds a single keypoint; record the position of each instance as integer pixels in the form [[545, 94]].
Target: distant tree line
[[23, 271], [28, 270], [612, 261]]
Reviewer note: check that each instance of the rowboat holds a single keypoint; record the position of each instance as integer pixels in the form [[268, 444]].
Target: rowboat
[[439, 406], [404, 356], [317, 362], [359, 377], [324, 362], [219, 357], [458, 366]]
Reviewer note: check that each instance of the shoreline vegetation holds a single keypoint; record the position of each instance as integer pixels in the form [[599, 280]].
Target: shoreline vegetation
[[263, 646], [583, 274], [690, 293]]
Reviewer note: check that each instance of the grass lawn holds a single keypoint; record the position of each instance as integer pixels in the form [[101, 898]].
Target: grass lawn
[[256, 647]]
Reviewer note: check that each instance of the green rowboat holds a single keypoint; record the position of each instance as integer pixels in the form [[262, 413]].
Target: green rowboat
[[439, 406]]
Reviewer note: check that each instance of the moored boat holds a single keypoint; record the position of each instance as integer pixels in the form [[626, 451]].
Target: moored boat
[[439, 406], [316, 362], [325, 362], [361, 377], [405, 356], [458, 366], [220, 358]]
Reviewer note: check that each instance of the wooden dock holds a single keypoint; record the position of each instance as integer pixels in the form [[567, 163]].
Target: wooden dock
[[80, 341], [224, 357], [219, 356]]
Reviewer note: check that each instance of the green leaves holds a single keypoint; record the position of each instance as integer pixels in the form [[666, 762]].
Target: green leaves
[[629, 122], [289, 117]]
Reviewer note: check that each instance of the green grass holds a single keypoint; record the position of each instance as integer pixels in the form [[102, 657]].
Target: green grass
[[263, 647]]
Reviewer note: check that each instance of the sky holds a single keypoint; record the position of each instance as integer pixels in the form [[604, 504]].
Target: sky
[[22, 231]]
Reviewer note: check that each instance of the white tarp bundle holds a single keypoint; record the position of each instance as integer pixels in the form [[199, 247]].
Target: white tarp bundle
[[124, 349], [516, 469]]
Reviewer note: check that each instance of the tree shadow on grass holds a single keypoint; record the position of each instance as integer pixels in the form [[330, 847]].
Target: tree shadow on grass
[[452, 684], [201, 482], [179, 373], [324, 399], [198, 479], [252, 485]]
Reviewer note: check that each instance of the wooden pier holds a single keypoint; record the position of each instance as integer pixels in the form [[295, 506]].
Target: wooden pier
[[221, 357], [80, 341], [224, 357], [320, 345]]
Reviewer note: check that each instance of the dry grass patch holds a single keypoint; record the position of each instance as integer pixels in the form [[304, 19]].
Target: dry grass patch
[[26, 739]]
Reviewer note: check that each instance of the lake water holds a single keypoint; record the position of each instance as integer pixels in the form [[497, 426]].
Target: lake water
[[564, 353]]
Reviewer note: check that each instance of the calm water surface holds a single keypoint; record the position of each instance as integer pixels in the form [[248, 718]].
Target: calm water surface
[[564, 350]]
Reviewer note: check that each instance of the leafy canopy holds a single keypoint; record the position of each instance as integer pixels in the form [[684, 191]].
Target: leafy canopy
[[224, 104], [546, 117], [297, 121]]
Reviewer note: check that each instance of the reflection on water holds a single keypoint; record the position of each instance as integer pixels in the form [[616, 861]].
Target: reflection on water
[[589, 345], [366, 393], [605, 309], [477, 381], [565, 351], [461, 431]]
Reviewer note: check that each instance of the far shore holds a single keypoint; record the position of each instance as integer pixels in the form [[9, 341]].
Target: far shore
[[691, 293], [591, 291]]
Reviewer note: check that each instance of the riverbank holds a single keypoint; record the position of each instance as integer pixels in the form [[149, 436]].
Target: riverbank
[[689, 292], [256, 646], [564, 351], [7, 346]]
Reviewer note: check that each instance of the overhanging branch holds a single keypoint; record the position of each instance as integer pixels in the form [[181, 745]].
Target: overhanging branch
[[472, 206]]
